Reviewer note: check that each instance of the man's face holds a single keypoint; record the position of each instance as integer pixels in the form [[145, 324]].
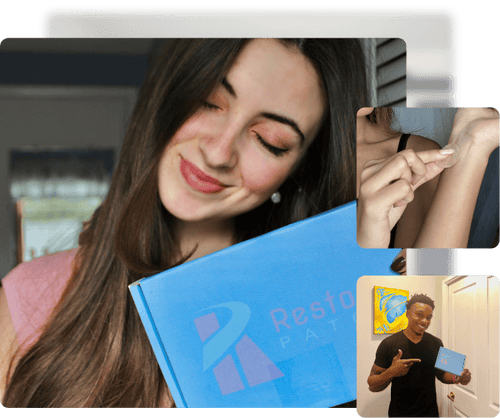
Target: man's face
[[419, 317]]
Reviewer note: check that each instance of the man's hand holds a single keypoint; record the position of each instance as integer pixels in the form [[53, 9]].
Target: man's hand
[[464, 377], [401, 367]]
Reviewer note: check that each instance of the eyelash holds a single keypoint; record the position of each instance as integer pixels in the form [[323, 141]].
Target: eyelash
[[210, 106], [278, 152]]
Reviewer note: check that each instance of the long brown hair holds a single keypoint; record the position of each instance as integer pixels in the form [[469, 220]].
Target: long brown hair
[[94, 351], [382, 116]]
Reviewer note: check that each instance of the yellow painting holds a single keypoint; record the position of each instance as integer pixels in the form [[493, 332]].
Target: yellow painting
[[390, 308]]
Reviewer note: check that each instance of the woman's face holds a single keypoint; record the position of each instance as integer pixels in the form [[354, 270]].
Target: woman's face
[[237, 149]]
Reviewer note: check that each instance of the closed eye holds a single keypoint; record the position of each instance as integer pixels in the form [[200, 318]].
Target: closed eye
[[210, 106], [274, 150]]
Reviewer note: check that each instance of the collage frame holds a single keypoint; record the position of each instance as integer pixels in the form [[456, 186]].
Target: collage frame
[[478, 67]]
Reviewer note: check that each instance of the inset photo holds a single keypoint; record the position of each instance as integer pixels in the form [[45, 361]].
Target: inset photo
[[427, 346], [427, 178]]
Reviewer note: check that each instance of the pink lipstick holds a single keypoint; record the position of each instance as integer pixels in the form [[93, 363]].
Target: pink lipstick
[[199, 180]]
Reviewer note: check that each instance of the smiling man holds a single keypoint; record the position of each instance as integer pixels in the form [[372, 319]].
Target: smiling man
[[406, 359]]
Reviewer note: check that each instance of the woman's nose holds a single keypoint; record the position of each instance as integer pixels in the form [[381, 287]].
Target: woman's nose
[[219, 148]]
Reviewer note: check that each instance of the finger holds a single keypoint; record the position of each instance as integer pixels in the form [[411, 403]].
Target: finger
[[402, 166], [416, 164], [434, 155], [400, 203], [384, 173], [397, 194], [424, 165], [411, 360], [398, 356], [413, 160], [433, 170]]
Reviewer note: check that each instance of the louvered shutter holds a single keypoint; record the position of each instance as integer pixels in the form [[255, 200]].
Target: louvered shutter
[[390, 83]]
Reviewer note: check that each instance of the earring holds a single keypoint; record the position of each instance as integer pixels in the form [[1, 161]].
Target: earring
[[276, 197]]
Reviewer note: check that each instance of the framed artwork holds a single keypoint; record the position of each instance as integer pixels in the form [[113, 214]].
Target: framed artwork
[[389, 310]]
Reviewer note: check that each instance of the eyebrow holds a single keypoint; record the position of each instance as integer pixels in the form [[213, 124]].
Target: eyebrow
[[273, 116]]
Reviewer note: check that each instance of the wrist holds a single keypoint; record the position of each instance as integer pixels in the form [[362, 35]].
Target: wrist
[[390, 374], [472, 149], [371, 234], [471, 157]]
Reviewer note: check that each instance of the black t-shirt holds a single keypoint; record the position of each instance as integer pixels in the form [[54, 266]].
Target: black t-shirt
[[414, 394]]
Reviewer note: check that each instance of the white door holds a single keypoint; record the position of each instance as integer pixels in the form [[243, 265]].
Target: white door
[[471, 327]]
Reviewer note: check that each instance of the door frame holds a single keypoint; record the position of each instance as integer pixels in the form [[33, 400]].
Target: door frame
[[445, 285]]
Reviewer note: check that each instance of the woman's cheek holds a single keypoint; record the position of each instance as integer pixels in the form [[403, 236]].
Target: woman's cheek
[[194, 127], [263, 176]]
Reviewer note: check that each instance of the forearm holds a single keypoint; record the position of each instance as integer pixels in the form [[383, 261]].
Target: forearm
[[447, 379], [377, 383], [448, 221]]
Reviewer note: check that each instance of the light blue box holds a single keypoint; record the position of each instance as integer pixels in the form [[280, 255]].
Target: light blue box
[[269, 322], [450, 361]]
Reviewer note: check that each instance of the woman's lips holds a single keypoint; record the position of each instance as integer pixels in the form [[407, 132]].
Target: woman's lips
[[199, 180]]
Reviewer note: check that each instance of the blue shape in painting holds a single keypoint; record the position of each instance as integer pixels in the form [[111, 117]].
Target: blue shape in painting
[[394, 305]]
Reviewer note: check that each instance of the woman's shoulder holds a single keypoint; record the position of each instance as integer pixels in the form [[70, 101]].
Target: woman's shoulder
[[421, 143], [32, 290]]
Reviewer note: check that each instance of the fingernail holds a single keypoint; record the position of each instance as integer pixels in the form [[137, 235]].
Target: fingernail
[[397, 264], [447, 151]]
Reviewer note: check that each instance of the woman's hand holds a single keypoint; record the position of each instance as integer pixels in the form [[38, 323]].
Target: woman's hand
[[387, 186], [478, 126]]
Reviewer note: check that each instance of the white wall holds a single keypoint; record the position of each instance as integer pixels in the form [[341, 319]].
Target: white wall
[[377, 404]]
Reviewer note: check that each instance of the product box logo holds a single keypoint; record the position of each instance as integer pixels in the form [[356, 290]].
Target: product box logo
[[257, 367]]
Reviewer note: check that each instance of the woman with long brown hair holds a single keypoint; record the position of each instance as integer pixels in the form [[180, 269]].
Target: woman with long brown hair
[[229, 139], [221, 126]]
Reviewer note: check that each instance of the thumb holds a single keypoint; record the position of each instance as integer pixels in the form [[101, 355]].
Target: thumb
[[398, 356]]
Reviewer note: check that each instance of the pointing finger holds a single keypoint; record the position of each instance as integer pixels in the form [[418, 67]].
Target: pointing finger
[[434, 155]]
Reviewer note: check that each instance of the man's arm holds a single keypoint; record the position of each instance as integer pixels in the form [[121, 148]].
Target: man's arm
[[380, 378]]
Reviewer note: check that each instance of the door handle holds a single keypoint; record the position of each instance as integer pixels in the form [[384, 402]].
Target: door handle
[[451, 396]]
